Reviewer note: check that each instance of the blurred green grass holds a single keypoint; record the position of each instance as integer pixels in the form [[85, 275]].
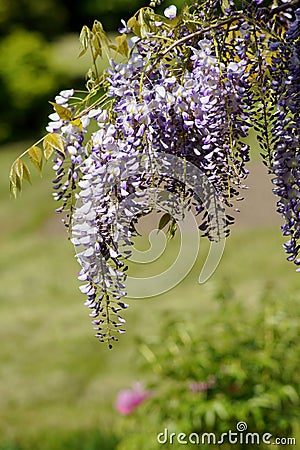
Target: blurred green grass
[[56, 378]]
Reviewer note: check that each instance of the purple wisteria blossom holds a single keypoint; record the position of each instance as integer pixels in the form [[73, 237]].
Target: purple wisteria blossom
[[187, 117], [191, 88], [286, 158]]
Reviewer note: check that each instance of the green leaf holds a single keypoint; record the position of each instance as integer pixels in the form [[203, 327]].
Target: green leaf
[[290, 392], [144, 29], [26, 172], [84, 38], [131, 22], [113, 47], [172, 229], [15, 183], [122, 45], [99, 30], [19, 168], [146, 20], [134, 25], [53, 142], [15, 180], [220, 410], [210, 418], [64, 113], [18, 182], [36, 157], [164, 220], [19, 172], [77, 123], [13, 189], [96, 41], [83, 52]]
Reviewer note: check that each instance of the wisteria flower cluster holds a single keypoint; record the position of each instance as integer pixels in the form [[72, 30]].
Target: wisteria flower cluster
[[188, 84], [286, 132]]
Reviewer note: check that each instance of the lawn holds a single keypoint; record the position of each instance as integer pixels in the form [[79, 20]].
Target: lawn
[[57, 383]]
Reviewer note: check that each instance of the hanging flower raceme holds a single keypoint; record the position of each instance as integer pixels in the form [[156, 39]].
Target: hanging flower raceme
[[188, 89], [286, 158]]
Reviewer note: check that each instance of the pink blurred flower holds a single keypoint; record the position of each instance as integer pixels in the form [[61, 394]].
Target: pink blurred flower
[[128, 400]]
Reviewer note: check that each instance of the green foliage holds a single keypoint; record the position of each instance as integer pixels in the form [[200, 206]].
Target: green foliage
[[36, 157], [241, 365], [25, 69], [98, 43], [19, 170], [33, 15]]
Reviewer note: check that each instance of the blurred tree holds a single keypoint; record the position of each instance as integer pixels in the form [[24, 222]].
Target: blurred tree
[[26, 82], [26, 29], [49, 17], [53, 17]]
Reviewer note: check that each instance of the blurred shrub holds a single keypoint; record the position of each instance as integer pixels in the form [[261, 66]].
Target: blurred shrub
[[53, 17], [242, 364], [49, 17], [27, 81]]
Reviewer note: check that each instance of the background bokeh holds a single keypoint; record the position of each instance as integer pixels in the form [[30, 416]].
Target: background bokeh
[[39, 50], [58, 385]]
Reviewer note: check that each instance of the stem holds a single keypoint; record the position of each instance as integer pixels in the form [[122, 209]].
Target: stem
[[200, 32], [27, 150]]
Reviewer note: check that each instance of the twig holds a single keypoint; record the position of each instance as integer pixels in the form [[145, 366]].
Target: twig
[[200, 32]]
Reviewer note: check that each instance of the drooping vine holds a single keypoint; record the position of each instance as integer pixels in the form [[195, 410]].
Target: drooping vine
[[189, 84]]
